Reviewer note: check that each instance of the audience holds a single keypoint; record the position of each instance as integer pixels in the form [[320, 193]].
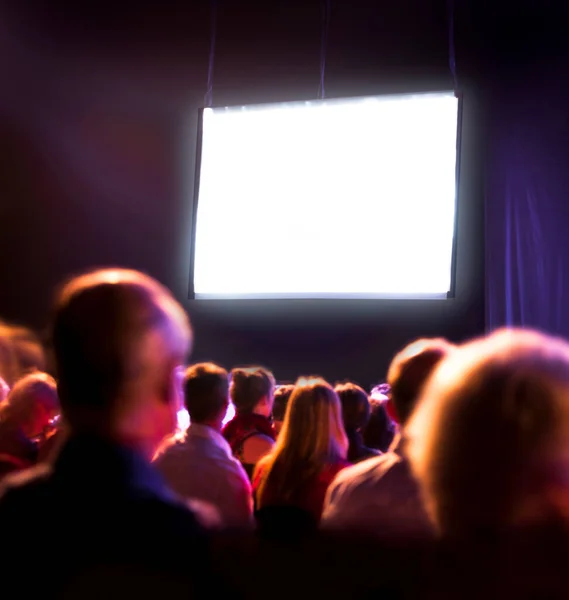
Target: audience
[[469, 498], [355, 413], [118, 337], [200, 465], [282, 396], [489, 442], [310, 451], [380, 495], [251, 433], [26, 417]]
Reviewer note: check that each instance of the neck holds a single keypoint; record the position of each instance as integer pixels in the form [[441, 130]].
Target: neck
[[216, 425], [141, 446]]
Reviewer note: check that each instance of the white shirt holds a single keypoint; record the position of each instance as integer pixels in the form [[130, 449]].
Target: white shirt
[[378, 495], [200, 466]]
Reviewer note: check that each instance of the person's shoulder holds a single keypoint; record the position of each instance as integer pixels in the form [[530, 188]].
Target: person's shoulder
[[353, 475], [171, 448], [256, 447], [21, 495], [24, 482]]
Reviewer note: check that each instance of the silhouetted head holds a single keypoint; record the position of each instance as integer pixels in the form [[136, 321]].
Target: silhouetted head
[[206, 394], [118, 338], [281, 398], [252, 390], [410, 370], [31, 405], [355, 405]]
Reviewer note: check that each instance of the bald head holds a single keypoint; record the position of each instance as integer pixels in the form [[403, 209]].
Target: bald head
[[114, 331], [489, 439]]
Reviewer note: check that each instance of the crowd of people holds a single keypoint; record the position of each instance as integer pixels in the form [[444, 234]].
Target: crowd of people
[[466, 442]]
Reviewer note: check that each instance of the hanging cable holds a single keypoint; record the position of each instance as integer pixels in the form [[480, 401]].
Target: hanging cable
[[208, 98], [324, 46], [451, 44]]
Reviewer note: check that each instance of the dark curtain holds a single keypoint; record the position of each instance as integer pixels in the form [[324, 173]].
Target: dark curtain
[[527, 201]]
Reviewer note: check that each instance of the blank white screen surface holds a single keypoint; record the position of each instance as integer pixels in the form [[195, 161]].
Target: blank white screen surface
[[341, 198]]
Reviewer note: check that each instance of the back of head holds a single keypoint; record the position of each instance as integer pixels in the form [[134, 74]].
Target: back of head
[[31, 404], [249, 386], [282, 397], [355, 405], [489, 439], [312, 436], [206, 392], [28, 349], [409, 371], [115, 332]]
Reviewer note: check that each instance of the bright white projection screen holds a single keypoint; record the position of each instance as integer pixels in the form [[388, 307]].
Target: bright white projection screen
[[350, 198]]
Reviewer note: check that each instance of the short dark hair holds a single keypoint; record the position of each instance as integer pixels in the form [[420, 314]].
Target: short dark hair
[[206, 391], [282, 396], [248, 386], [355, 405], [410, 370]]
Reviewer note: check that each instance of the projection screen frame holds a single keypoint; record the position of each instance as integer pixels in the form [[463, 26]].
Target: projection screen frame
[[450, 294]]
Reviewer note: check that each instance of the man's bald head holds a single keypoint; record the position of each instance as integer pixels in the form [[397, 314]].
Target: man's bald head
[[112, 330]]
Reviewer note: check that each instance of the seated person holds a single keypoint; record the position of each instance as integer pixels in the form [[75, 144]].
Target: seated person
[[251, 433], [489, 442], [200, 464], [310, 451], [26, 417], [118, 337], [355, 413], [282, 396], [380, 495]]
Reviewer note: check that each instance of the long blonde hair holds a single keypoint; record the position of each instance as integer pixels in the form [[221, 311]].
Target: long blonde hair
[[312, 436]]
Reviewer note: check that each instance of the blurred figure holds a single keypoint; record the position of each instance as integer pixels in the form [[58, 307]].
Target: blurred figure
[[355, 413], [118, 338], [200, 465], [28, 349], [251, 433], [26, 419], [9, 370], [380, 429], [309, 452], [489, 441], [380, 495], [282, 396], [4, 390]]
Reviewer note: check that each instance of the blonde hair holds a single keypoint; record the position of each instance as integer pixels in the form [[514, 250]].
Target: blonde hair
[[31, 394], [312, 436], [490, 422]]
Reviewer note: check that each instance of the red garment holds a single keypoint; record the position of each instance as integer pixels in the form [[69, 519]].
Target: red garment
[[311, 497], [242, 427]]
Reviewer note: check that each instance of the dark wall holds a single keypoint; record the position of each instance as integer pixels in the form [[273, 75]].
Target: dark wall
[[97, 154]]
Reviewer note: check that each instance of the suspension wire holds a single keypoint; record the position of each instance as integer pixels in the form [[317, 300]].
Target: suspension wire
[[208, 98], [451, 44], [325, 29]]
